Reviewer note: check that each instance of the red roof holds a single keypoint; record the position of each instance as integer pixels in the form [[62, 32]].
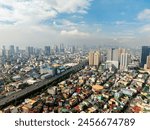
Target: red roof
[[136, 109]]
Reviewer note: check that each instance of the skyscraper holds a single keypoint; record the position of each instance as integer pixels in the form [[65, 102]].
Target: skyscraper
[[56, 49], [1, 52], [120, 51], [72, 49], [109, 54], [4, 52], [3, 55], [115, 56], [91, 58], [145, 53], [47, 50], [148, 62], [96, 58], [30, 50], [12, 50], [112, 54], [62, 48], [124, 61], [17, 49]]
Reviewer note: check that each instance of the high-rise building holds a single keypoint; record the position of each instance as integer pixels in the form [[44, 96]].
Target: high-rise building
[[47, 50], [124, 61], [30, 50], [62, 48], [3, 55], [91, 58], [113, 57], [102, 57], [109, 54], [17, 49], [11, 54], [96, 58], [148, 62], [38, 51], [72, 49], [12, 50], [145, 53], [112, 54], [120, 51], [0, 58], [56, 49], [3, 52]]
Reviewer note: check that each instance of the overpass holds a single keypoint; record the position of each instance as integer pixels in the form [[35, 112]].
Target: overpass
[[38, 87]]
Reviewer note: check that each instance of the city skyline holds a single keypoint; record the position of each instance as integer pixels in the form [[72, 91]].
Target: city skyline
[[75, 22]]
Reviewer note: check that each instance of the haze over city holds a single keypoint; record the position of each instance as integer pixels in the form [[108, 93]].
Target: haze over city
[[91, 22]]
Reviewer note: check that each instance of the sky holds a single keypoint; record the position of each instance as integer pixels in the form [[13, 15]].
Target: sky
[[88, 22]]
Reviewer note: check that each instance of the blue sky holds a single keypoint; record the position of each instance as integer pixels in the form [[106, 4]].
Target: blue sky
[[43, 22], [114, 10]]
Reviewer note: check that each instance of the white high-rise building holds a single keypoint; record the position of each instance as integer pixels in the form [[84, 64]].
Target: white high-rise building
[[115, 54], [96, 58], [112, 54], [113, 57], [109, 55], [124, 61], [120, 51]]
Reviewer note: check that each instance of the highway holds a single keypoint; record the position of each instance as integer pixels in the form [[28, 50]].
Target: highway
[[41, 85]]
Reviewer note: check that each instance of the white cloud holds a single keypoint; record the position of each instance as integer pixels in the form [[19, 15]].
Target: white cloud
[[34, 11], [26, 12], [120, 22], [145, 29], [70, 6], [64, 23], [22, 21], [144, 15], [68, 23], [74, 33]]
